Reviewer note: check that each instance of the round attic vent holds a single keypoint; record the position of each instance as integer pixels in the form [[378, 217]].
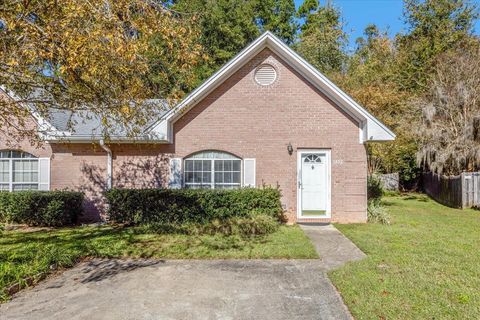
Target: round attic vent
[[265, 75]]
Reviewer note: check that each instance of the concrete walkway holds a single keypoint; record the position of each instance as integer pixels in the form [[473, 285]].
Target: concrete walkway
[[194, 289], [332, 246]]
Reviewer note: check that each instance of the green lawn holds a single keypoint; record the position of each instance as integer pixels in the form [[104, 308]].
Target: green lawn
[[426, 265], [24, 254]]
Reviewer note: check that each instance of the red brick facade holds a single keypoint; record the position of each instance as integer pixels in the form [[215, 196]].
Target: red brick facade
[[247, 120]]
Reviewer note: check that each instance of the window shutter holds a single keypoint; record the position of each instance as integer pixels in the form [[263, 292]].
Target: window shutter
[[44, 174], [175, 173], [249, 173]]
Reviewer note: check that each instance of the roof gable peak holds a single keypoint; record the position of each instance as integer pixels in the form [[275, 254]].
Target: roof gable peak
[[371, 129]]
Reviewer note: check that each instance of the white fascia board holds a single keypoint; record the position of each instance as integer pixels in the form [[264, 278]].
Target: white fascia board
[[371, 129], [86, 139]]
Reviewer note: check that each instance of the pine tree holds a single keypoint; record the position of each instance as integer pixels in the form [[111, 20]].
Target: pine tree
[[322, 41]]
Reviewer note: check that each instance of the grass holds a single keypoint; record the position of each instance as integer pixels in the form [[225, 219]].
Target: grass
[[25, 254], [425, 265]]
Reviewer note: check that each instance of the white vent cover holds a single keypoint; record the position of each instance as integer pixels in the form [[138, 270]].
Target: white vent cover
[[265, 75]]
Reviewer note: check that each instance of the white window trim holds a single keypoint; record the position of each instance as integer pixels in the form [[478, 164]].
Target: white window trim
[[10, 173], [48, 174], [254, 173], [212, 179]]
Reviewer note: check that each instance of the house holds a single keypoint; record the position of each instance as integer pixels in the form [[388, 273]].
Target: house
[[266, 118]]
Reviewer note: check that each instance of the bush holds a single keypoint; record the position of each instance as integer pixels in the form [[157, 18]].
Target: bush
[[374, 189], [377, 213], [41, 208], [178, 206]]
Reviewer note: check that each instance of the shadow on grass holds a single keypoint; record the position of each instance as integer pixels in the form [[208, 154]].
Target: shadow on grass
[[417, 197]]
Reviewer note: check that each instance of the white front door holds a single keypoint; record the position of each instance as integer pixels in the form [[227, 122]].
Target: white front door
[[314, 184]]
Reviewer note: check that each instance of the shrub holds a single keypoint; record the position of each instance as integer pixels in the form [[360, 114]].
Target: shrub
[[178, 206], [374, 189], [41, 208], [377, 213]]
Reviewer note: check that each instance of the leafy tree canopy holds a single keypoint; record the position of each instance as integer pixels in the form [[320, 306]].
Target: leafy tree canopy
[[435, 27], [449, 123], [81, 55], [322, 40], [227, 26]]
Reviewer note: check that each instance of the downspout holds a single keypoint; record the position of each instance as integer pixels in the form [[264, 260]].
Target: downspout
[[109, 163]]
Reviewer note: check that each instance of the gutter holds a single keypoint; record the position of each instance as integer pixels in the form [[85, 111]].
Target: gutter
[[109, 163], [64, 138]]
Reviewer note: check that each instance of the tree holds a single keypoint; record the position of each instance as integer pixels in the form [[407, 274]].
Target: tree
[[371, 80], [227, 26], [449, 121], [278, 16], [322, 40], [436, 26], [80, 56]]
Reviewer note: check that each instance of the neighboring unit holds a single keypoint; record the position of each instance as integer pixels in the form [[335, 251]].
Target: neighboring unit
[[266, 118]]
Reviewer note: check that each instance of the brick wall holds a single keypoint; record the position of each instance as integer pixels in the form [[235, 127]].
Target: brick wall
[[251, 121], [243, 118]]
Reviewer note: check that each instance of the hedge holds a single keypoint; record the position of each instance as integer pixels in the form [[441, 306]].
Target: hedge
[[41, 208], [139, 206]]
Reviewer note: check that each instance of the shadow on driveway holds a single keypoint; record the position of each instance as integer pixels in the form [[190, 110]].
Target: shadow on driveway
[[182, 289]]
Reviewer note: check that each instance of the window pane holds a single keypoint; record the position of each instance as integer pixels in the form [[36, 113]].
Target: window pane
[[18, 177], [236, 165], [212, 155], [218, 177], [27, 177], [17, 165], [4, 177], [197, 166], [207, 177], [226, 170], [4, 187], [20, 187], [207, 165], [236, 178], [218, 165], [16, 154], [4, 165], [188, 165], [197, 177]]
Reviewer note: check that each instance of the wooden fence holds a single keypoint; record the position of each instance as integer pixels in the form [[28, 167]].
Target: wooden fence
[[461, 191]]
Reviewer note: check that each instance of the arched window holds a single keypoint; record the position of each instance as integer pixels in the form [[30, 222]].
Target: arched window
[[18, 171], [213, 170]]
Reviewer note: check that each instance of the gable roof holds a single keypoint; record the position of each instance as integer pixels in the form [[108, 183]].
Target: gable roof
[[371, 129], [60, 124], [87, 127]]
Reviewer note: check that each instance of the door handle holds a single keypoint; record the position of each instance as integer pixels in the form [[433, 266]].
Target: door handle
[[299, 184]]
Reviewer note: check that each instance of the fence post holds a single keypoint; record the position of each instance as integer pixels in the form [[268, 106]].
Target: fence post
[[475, 181]]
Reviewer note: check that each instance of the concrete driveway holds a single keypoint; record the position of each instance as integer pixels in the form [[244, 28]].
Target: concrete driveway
[[194, 289], [188, 289]]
